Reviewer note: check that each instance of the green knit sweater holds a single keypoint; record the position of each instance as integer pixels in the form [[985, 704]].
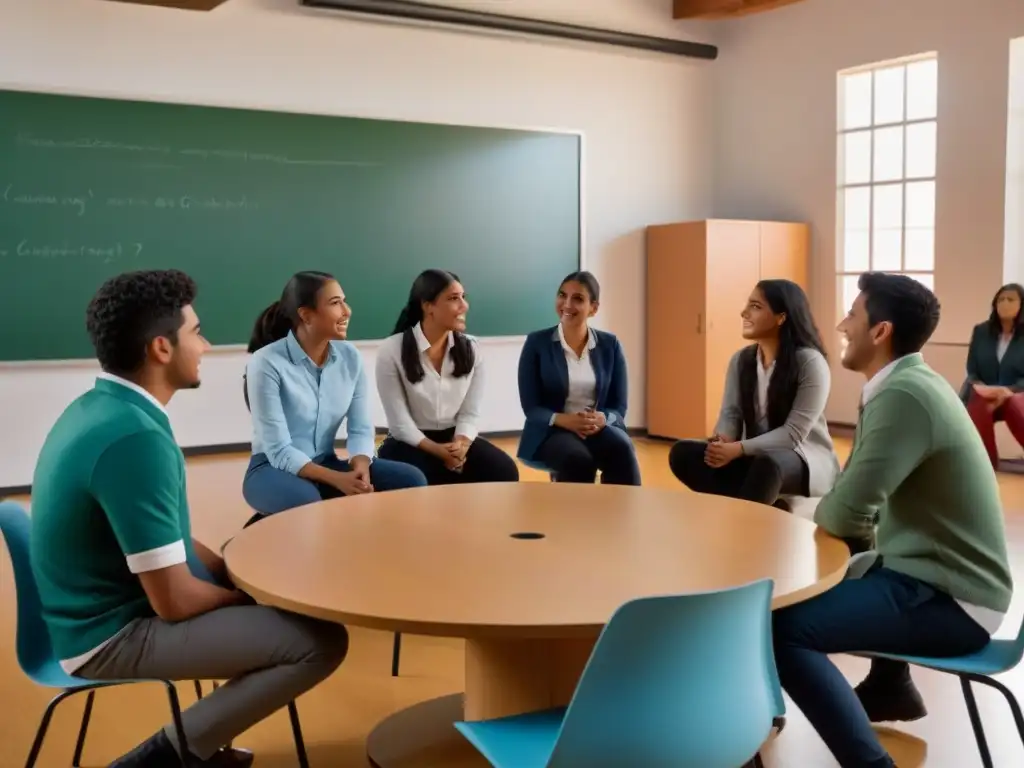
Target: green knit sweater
[[919, 464]]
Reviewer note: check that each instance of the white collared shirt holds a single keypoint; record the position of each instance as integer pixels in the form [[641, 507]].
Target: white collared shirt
[[987, 618], [438, 401], [764, 378], [582, 392], [132, 386], [1002, 346]]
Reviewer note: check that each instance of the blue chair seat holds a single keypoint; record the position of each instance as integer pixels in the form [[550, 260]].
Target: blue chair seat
[[523, 741], [540, 467]]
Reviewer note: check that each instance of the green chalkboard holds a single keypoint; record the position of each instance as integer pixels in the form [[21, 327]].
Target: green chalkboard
[[241, 199]]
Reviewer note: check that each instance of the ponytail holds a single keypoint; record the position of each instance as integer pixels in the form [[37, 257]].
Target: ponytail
[[409, 318], [270, 326]]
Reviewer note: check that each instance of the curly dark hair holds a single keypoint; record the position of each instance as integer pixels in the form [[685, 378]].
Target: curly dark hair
[[131, 310]]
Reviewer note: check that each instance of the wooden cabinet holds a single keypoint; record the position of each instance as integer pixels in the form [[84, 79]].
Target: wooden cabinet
[[699, 275]]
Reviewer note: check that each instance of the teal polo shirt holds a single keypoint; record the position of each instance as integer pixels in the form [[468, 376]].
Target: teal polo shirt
[[108, 502]]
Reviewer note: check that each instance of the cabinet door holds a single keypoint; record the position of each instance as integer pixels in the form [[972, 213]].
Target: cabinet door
[[675, 330], [733, 271], [784, 251]]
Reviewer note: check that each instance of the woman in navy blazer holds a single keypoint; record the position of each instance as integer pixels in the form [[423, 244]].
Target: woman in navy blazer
[[573, 388]]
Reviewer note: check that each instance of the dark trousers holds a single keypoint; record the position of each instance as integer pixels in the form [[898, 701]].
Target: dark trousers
[[762, 478], [269, 490], [574, 459], [485, 462], [884, 612]]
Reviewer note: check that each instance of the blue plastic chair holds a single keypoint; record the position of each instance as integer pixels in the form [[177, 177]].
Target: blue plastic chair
[[540, 467], [38, 661], [687, 681], [997, 657]]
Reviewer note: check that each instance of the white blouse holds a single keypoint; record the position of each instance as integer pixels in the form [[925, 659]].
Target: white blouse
[[582, 379], [438, 401]]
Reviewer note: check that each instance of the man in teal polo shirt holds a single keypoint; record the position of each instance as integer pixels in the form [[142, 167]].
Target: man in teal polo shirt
[[126, 591], [937, 582]]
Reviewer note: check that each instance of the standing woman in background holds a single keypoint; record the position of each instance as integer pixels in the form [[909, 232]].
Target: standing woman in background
[[302, 382], [771, 438], [994, 389], [573, 389], [430, 381]]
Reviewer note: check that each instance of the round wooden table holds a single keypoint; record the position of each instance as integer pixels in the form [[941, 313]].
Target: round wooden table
[[527, 573]]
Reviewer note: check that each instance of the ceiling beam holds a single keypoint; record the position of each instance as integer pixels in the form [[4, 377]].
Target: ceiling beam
[[184, 5], [723, 9]]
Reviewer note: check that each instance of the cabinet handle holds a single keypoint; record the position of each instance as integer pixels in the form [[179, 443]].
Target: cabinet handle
[[700, 316]]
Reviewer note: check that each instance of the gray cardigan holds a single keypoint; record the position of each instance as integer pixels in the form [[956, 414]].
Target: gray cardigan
[[805, 430]]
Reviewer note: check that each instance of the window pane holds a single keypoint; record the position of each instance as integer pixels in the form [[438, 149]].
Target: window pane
[[928, 281], [856, 108], [921, 205], [857, 208], [922, 89], [887, 244], [920, 250], [888, 95], [850, 291], [888, 154], [857, 158], [856, 254], [887, 208], [920, 150]]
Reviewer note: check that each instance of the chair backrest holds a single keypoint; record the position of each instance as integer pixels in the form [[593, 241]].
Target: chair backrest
[[686, 680], [34, 648]]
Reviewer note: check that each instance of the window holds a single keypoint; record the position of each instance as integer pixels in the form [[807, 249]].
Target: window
[[886, 170]]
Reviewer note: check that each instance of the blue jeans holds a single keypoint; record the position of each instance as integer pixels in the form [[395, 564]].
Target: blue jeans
[[269, 490], [885, 612]]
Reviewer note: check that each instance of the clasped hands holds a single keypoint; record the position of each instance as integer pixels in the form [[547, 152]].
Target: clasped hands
[[357, 480], [453, 454], [584, 424], [995, 396], [721, 450]]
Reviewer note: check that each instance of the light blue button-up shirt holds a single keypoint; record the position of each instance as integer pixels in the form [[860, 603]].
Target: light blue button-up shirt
[[297, 406]]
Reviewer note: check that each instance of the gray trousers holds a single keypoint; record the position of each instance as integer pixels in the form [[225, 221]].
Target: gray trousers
[[268, 658]]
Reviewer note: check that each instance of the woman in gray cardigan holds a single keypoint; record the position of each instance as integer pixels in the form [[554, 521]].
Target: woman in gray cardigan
[[771, 438]]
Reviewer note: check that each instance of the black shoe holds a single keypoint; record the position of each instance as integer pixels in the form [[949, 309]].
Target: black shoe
[[254, 519], [783, 504], [230, 757], [155, 752], [890, 702]]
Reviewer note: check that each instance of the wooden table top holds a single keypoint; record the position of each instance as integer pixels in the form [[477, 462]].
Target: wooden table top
[[444, 560]]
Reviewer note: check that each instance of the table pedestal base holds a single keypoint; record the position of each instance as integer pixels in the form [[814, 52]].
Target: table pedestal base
[[423, 736]]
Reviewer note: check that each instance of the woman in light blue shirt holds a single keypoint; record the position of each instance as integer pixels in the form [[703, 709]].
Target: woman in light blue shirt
[[302, 382]]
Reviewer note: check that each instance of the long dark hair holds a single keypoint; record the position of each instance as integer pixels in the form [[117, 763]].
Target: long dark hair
[[282, 316], [797, 332], [425, 289], [995, 325]]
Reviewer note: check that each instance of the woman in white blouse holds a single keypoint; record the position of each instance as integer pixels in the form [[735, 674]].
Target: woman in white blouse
[[430, 380]]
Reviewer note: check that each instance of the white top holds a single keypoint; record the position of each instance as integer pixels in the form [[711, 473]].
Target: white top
[[987, 619], [1002, 346], [437, 401], [764, 377], [582, 379]]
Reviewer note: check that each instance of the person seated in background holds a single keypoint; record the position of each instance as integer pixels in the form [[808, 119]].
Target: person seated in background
[[938, 581], [123, 585], [303, 381], [994, 389], [771, 438], [573, 389], [430, 377]]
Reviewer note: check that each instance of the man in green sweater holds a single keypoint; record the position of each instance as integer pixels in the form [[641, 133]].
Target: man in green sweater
[[126, 591], [938, 581]]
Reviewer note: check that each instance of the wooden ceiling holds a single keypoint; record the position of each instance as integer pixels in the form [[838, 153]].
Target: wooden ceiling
[[723, 9]]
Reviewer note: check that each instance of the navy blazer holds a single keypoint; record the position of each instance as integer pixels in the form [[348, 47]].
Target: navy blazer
[[544, 384], [985, 367]]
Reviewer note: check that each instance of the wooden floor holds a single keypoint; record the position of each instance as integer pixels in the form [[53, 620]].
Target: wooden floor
[[337, 716]]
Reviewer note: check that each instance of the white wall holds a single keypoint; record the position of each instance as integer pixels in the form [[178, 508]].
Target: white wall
[[647, 120], [1013, 247], [776, 129]]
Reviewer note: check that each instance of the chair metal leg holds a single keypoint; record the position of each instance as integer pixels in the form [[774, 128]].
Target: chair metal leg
[[1018, 715], [44, 724], [76, 761], [396, 653], [300, 744], [172, 694], [979, 731], [199, 689]]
